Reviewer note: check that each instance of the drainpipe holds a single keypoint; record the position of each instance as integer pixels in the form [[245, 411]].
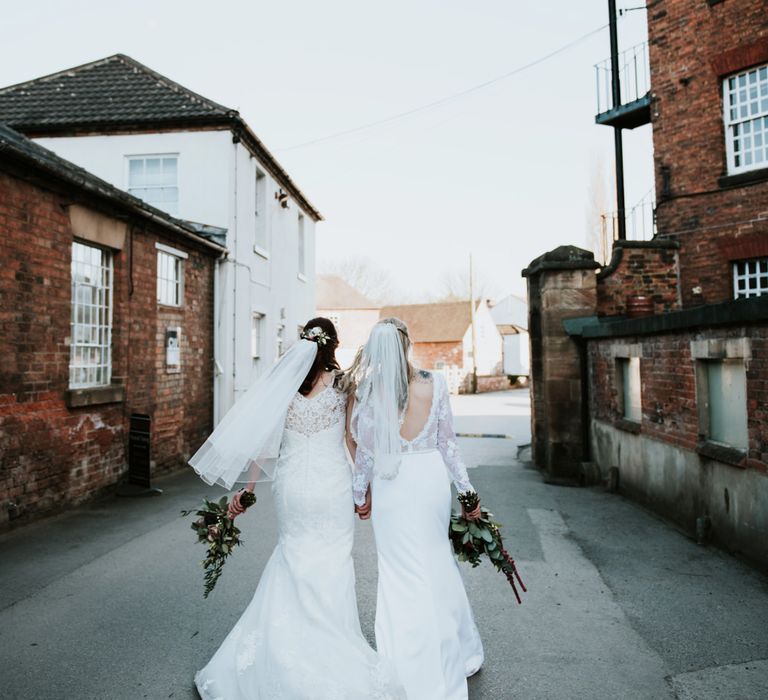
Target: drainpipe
[[617, 137], [235, 141], [586, 430]]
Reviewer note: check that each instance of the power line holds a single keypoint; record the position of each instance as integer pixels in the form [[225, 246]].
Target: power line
[[448, 98]]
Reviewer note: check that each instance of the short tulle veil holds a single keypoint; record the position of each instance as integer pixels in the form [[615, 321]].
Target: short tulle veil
[[244, 447]]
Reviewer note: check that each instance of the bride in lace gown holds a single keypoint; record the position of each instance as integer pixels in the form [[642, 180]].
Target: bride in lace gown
[[300, 638], [405, 457]]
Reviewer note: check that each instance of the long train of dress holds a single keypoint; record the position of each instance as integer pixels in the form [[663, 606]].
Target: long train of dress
[[424, 622], [300, 638]]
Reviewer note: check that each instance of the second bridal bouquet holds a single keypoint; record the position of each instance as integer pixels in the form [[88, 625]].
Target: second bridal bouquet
[[473, 538], [216, 530]]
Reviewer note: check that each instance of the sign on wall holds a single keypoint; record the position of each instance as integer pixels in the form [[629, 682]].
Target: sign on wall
[[173, 348]]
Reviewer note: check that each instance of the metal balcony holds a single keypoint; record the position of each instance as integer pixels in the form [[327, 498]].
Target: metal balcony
[[634, 76]]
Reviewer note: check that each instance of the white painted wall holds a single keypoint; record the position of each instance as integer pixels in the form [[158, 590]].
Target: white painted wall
[[217, 186], [517, 354], [489, 343]]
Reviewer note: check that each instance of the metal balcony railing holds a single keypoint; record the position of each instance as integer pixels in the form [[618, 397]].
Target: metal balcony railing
[[640, 223], [634, 76]]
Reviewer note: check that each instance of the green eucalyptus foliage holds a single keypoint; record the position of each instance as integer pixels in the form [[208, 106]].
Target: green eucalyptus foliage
[[215, 529]]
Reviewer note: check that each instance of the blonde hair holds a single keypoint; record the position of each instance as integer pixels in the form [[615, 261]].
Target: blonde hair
[[348, 381]]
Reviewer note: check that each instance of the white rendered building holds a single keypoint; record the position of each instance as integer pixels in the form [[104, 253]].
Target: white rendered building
[[201, 162]]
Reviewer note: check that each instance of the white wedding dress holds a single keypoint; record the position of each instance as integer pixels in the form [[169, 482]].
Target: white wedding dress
[[300, 638], [424, 622]]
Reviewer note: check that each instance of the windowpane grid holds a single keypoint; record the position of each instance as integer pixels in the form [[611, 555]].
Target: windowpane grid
[[750, 278], [746, 119], [155, 180], [169, 279], [90, 362]]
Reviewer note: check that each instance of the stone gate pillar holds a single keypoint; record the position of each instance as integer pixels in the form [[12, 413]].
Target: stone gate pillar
[[561, 284]]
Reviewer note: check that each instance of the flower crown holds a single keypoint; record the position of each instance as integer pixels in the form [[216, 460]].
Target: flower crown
[[317, 335]]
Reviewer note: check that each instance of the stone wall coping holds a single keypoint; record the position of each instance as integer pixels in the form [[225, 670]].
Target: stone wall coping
[[730, 313], [564, 257]]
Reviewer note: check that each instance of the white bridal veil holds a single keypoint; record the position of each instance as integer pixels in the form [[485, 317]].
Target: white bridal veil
[[381, 396], [245, 445]]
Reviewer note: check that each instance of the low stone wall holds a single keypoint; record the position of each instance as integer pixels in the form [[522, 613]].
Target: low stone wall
[[683, 485], [485, 383]]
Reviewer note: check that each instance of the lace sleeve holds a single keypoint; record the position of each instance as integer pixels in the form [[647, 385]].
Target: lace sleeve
[[361, 427], [446, 439]]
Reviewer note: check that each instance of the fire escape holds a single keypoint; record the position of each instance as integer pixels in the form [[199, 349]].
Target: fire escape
[[624, 102]]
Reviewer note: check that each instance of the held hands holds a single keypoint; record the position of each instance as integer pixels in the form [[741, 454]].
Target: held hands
[[364, 511]]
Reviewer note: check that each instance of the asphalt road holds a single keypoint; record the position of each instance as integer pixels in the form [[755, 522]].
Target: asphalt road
[[105, 601]]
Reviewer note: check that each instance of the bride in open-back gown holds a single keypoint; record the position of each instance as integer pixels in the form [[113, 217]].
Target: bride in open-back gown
[[299, 638], [406, 452]]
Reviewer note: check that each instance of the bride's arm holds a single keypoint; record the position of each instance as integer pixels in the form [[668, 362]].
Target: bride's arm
[[351, 444], [446, 442], [359, 440]]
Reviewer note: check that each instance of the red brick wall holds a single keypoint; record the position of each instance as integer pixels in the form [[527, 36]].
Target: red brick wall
[[52, 455], [691, 46], [492, 383], [638, 270], [427, 354], [668, 387]]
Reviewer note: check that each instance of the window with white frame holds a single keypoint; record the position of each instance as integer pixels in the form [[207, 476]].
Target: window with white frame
[[90, 359], [745, 102], [155, 180], [302, 247], [260, 242], [724, 392], [170, 275], [628, 375], [257, 335], [750, 278]]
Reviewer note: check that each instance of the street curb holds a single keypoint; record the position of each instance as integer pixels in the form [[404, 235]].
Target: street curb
[[485, 435]]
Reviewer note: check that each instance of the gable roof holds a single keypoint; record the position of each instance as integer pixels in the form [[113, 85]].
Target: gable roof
[[20, 154], [118, 93], [441, 322], [335, 293]]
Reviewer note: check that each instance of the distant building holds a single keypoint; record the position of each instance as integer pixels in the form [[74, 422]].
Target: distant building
[[198, 161], [106, 322], [441, 333], [353, 314], [651, 371], [511, 317]]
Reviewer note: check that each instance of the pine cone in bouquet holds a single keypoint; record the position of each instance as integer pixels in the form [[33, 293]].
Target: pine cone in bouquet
[[472, 539]]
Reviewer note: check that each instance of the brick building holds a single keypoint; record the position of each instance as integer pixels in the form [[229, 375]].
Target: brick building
[[441, 333], [106, 312], [199, 161], [657, 364]]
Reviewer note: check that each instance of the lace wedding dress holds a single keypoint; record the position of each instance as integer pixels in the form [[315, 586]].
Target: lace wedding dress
[[424, 622], [300, 638]]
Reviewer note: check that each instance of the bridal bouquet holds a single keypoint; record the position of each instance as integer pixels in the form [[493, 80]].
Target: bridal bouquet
[[216, 529], [473, 538]]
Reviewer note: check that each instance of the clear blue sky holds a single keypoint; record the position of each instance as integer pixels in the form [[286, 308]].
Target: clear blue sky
[[504, 172]]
